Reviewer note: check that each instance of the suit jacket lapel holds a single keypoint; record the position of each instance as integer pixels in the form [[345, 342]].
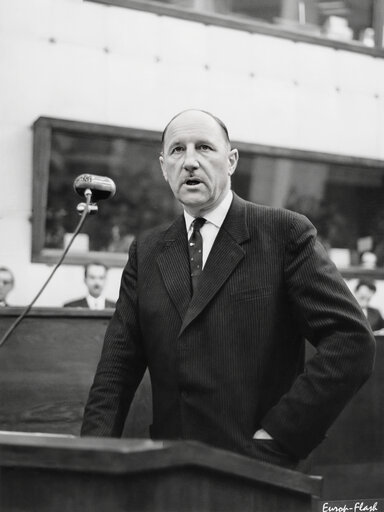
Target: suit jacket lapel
[[173, 263], [224, 257]]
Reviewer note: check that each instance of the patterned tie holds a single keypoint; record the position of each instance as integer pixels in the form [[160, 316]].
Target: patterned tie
[[195, 246]]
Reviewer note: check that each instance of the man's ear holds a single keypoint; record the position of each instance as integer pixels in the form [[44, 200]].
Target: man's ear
[[162, 165], [233, 158]]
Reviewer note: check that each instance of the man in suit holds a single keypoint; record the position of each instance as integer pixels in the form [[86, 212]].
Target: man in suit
[[364, 291], [95, 275], [225, 346], [7, 282]]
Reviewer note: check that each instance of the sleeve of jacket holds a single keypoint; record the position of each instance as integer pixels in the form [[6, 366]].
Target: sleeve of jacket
[[122, 363], [333, 322]]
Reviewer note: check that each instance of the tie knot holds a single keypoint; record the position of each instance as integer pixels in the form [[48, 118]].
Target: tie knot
[[198, 223]]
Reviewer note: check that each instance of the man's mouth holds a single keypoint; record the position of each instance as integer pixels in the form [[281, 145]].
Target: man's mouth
[[192, 182]]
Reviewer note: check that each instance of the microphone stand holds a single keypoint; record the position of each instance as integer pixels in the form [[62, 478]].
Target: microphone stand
[[85, 209]]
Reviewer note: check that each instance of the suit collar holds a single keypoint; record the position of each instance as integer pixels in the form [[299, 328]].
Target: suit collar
[[173, 262], [216, 216], [224, 257], [235, 222]]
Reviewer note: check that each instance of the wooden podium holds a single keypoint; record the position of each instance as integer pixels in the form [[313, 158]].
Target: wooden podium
[[71, 474]]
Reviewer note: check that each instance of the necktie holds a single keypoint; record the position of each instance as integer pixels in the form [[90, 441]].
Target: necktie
[[196, 251]]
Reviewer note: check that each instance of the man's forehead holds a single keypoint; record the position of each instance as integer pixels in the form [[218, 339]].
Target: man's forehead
[[193, 124], [96, 269], [365, 289], [192, 120]]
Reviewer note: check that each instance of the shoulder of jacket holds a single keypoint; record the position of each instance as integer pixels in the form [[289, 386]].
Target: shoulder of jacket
[[73, 303], [273, 214], [153, 236]]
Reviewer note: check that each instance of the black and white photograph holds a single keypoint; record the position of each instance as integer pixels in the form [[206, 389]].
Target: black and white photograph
[[192, 256]]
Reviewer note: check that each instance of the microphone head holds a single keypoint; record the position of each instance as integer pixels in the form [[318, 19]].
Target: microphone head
[[100, 186]]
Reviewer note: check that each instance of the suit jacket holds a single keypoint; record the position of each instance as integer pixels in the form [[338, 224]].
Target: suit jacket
[[230, 360], [82, 303], [375, 319]]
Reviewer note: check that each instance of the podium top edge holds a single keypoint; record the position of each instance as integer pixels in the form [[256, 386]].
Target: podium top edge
[[127, 456], [57, 312]]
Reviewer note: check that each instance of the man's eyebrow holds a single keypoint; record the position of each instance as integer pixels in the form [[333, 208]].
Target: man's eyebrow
[[174, 143], [197, 142]]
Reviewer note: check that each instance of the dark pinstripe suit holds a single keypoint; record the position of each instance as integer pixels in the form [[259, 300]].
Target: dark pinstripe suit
[[375, 319], [230, 360]]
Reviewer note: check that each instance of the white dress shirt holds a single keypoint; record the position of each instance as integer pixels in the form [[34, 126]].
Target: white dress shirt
[[214, 220], [96, 303]]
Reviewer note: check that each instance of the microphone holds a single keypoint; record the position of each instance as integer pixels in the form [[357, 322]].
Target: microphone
[[98, 187]]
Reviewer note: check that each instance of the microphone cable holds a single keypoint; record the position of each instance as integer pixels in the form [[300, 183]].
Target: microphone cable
[[28, 308]]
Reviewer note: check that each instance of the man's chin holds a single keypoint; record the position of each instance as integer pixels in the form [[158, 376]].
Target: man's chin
[[194, 203]]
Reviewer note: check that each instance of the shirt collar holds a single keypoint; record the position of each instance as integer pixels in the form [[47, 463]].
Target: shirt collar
[[94, 300], [216, 216]]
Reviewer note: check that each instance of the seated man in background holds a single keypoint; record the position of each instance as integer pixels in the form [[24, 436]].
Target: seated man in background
[[6, 284], [95, 275], [364, 291]]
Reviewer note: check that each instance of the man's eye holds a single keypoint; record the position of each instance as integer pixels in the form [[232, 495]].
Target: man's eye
[[177, 149], [205, 147]]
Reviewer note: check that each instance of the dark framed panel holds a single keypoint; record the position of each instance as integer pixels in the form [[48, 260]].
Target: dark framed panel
[[342, 196], [63, 150], [353, 25]]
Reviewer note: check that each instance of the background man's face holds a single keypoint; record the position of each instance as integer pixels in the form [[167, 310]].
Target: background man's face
[[364, 295], [95, 280], [6, 284], [197, 161]]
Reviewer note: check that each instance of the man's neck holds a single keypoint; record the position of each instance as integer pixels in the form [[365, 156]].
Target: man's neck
[[94, 297], [214, 217]]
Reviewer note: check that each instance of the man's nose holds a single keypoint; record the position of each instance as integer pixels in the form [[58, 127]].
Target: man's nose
[[191, 162]]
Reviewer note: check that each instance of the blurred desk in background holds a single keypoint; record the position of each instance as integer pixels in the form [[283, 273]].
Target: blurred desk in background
[[47, 367]]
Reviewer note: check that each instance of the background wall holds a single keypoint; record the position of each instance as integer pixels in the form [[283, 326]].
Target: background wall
[[88, 62]]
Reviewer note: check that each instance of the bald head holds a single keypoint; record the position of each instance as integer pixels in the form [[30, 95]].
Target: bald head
[[204, 112], [197, 160]]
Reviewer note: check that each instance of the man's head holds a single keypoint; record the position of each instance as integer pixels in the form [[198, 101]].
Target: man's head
[[368, 259], [364, 291], [95, 275], [197, 160], [6, 282]]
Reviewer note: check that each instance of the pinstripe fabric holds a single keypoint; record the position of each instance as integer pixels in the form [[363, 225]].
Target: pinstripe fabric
[[229, 360]]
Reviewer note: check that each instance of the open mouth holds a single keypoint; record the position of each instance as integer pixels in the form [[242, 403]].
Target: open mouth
[[192, 182]]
